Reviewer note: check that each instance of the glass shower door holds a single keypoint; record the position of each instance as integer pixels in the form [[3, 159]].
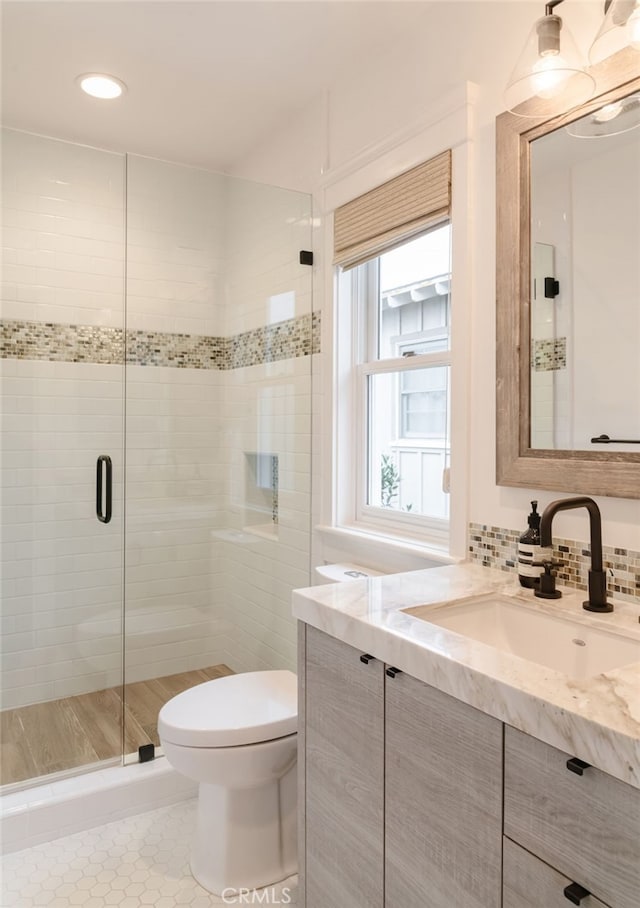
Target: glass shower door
[[62, 373]]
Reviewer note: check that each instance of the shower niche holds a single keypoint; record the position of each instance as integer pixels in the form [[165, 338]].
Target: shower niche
[[260, 497]]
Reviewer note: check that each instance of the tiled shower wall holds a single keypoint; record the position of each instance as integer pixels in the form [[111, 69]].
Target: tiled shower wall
[[198, 588], [174, 423], [268, 412]]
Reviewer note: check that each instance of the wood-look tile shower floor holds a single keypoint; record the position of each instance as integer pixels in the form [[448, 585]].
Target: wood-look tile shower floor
[[75, 731]]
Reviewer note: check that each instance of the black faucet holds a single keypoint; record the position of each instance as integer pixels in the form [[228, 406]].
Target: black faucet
[[597, 601]]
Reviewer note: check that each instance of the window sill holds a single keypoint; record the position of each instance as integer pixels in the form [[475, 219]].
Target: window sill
[[385, 547]]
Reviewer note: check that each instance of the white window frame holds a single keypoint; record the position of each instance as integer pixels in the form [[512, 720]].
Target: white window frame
[[449, 125], [365, 312]]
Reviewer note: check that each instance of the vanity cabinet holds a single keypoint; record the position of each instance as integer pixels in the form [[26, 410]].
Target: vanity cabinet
[[344, 769], [403, 789], [443, 804], [410, 798], [572, 816]]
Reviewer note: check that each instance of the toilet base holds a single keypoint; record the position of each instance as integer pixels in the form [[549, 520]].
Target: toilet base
[[245, 838]]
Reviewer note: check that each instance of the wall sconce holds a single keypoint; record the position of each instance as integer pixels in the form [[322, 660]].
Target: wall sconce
[[609, 120], [549, 70], [620, 28]]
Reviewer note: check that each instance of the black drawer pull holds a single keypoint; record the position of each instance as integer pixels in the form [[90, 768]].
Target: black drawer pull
[[367, 658], [575, 893], [392, 672], [577, 766]]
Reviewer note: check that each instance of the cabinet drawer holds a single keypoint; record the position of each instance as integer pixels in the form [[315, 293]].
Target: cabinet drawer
[[530, 883], [587, 826]]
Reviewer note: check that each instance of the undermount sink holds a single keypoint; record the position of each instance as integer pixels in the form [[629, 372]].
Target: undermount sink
[[574, 648]]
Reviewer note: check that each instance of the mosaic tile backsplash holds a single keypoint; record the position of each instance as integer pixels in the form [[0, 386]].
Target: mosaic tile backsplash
[[497, 548], [86, 344], [549, 355]]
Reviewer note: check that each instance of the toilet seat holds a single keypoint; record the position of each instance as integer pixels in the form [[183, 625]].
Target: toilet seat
[[232, 711]]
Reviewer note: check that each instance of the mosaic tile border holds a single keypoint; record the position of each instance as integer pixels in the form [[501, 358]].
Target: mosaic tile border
[[60, 343], [285, 340], [178, 351], [549, 355], [496, 547], [86, 344]]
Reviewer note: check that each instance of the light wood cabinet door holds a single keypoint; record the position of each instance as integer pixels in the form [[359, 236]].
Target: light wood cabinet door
[[586, 825], [344, 801], [443, 784], [530, 883]]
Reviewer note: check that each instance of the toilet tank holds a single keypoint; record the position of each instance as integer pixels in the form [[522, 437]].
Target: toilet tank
[[337, 573]]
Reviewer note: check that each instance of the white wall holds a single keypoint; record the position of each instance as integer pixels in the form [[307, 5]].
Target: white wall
[[585, 203], [606, 235], [478, 42], [551, 224]]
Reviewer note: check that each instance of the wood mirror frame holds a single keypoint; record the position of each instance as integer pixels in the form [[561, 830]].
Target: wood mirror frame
[[517, 464]]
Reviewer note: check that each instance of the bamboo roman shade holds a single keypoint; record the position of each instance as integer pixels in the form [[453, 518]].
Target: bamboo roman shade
[[406, 205]]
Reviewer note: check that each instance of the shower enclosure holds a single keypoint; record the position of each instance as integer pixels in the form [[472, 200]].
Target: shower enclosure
[[157, 332]]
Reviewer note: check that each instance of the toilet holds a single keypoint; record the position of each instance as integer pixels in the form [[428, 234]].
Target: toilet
[[341, 573], [237, 737]]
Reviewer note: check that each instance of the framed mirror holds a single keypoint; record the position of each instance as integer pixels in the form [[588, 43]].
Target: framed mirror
[[568, 292]]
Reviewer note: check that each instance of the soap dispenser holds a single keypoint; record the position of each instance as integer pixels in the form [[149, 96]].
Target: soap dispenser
[[530, 553]]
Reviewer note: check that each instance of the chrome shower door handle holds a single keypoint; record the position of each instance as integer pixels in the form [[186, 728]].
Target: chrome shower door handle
[[103, 468]]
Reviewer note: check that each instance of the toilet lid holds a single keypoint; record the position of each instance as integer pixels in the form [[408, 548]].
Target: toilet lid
[[237, 709]]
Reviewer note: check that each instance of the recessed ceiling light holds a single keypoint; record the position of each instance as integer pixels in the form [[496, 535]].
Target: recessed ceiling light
[[100, 85]]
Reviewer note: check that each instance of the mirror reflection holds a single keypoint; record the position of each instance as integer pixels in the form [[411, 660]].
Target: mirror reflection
[[585, 283]]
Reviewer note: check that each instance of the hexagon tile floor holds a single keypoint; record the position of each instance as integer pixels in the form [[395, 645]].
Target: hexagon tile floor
[[132, 863]]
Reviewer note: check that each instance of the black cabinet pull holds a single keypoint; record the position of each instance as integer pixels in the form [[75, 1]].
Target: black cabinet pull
[[392, 672], [103, 466], [575, 893], [367, 658], [577, 766]]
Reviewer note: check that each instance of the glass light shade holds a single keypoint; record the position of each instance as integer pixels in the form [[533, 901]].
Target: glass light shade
[[549, 72], [609, 120], [100, 85], [620, 28]]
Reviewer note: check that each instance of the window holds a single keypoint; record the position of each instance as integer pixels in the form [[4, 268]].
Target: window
[[394, 297], [401, 301]]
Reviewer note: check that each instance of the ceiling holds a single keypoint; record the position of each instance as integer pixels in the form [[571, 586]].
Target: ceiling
[[207, 80]]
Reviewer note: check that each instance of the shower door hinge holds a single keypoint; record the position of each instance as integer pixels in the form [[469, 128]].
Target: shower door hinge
[[146, 752], [306, 257], [551, 288]]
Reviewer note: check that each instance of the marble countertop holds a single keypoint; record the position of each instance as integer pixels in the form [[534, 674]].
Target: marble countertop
[[596, 719]]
